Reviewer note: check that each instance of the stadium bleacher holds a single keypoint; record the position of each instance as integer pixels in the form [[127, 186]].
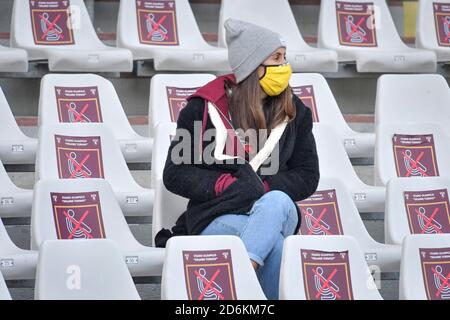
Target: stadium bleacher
[[90, 91]]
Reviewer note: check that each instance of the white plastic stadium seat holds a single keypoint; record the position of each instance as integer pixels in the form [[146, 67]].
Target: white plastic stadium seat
[[163, 136], [62, 33], [61, 205], [15, 146], [83, 270], [4, 292], [81, 98], [168, 94], [13, 60], [314, 91], [208, 268], [415, 98], [410, 150], [425, 270], [325, 268], [433, 28], [363, 31], [167, 33], [331, 211], [88, 150], [15, 263], [277, 15], [416, 206], [334, 163], [14, 201]]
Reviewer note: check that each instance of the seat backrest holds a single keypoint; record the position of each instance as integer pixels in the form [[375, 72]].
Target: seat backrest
[[315, 93], [433, 24], [325, 268], [425, 268], [156, 23], [60, 204], [362, 25], [9, 130], [416, 206], [58, 24], [192, 263], [415, 98], [410, 150], [163, 136], [275, 15], [82, 98], [168, 94], [85, 150], [83, 270], [167, 208], [4, 292]]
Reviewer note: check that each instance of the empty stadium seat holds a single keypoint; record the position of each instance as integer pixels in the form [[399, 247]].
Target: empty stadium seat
[[83, 270], [62, 33], [14, 201], [167, 33], [13, 60], [208, 268], [325, 268], [433, 28], [15, 146], [410, 150], [4, 292], [425, 268], [416, 206], [168, 94], [334, 163], [331, 211], [81, 98], [313, 90], [364, 32], [276, 15], [15, 263], [60, 206], [89, 150], [414, 98], [163, 136]]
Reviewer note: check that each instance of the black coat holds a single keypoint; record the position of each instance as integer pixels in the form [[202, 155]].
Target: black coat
[[298, 174]]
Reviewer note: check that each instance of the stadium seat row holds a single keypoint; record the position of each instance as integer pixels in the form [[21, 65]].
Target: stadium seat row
[[166, 32]]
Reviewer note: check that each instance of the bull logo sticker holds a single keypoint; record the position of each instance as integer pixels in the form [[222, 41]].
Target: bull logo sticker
[[436, 272], [306, 94], [157, 23], [51, 22], [356, 24], [415, 155], [209, 275], [77, 105], [177, 98], [442, 23]]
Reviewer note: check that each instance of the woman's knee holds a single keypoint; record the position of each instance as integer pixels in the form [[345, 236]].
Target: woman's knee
[[281, 203]]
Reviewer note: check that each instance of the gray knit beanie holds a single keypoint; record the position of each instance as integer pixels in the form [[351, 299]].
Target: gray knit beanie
[[249, 45]]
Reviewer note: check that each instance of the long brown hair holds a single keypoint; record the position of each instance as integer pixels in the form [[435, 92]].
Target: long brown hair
[[248, 113]]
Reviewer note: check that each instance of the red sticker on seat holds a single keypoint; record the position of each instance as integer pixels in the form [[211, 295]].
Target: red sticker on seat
[[157, 23], [326, 275], [78, 215], [79, 157], [428, 211], [78, 104], [209, 275], [442, 23], [320, 214], [177, 100], [306, 94], [51, 23], [356, 24], [436, 272], [415, 155]]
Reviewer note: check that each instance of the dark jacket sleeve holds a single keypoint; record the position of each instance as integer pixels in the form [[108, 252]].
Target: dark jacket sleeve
[[302, 177], [190, 180]]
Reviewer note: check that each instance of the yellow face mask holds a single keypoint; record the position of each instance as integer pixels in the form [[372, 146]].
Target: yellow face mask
[[276, 79]]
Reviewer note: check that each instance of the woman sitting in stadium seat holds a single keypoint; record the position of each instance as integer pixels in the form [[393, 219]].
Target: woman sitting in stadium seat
[[260, 157]]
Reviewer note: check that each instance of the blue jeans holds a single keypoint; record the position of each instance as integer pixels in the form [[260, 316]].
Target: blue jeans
[[272, 218]]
